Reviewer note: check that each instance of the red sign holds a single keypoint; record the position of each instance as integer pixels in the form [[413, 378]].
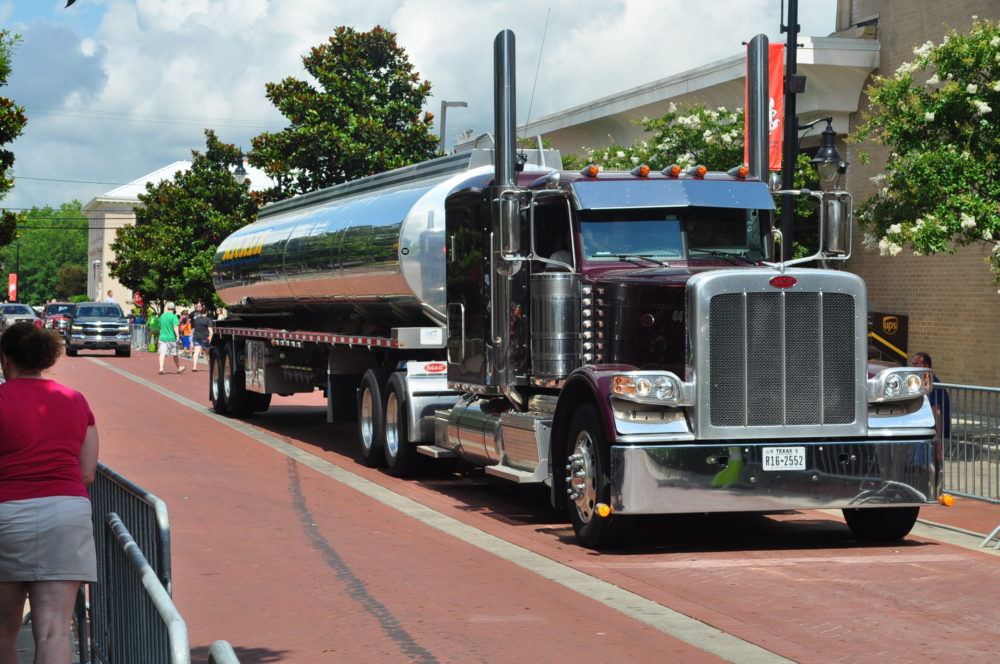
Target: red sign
[[137, 298], [775, 107], [12, 287]]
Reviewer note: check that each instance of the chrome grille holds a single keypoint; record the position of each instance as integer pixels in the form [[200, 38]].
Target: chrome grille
[[781, 359]]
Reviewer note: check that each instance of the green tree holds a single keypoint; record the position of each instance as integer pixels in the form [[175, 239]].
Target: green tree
[[12, 122], [940, 116], [363, 118], [167, 254], [48, 240], [70, 280]]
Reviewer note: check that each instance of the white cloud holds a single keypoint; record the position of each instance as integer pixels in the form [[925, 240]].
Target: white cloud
[[160, 71]]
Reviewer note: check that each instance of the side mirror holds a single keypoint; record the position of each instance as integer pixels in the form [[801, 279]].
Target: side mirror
[[837, 224]]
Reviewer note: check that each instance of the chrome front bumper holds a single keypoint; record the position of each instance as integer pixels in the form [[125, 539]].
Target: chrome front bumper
[[688, 478], [98, 342]]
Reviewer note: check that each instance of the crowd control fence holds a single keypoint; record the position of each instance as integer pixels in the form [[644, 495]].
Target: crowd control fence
[[131, 616], [971, 449], [140, 336]]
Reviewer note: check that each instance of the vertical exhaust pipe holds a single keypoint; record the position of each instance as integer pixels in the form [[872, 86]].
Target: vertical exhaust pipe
[[757, 107], [503, 107]]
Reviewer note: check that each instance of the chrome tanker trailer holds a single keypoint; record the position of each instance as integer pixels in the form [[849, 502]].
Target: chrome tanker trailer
[[622, 338]]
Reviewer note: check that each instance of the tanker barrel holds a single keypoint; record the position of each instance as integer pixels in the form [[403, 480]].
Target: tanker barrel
[[504, 107]]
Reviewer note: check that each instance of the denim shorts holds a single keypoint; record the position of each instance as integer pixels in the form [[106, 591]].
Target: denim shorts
[[47, 539]]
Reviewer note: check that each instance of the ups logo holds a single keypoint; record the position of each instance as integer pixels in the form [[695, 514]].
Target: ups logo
[[890, 324]]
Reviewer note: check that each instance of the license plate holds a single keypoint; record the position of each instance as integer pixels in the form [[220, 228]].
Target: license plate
[[784, 458]]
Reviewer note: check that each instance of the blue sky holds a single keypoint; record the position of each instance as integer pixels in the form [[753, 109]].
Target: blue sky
[[116, 89]]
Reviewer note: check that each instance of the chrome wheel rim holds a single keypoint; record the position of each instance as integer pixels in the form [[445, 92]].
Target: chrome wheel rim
[[227, 376], [391, 428], [581, 483], [365, 420], [215, 381]]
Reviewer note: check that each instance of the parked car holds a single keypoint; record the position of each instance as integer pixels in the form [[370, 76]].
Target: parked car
[[57, 315], [17, 313], [98, 326]]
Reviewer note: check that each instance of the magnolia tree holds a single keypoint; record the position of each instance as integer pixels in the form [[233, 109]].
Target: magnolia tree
[[940, 116]]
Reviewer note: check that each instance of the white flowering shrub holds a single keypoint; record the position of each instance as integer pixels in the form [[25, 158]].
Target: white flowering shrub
[[940, 116]]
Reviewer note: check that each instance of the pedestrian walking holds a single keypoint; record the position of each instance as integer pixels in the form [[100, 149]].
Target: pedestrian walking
[[48, 458], [202, 331], [169, 336]]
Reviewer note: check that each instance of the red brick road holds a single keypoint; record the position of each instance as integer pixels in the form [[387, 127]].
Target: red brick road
[[290, 565]]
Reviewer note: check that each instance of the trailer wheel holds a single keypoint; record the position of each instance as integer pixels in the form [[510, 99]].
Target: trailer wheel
[[588, 483], [215, 393], [401, 456], [234, 389], [881, 524], [371, 421]]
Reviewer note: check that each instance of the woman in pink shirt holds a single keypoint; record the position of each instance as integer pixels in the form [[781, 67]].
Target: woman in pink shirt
[[48, 457]]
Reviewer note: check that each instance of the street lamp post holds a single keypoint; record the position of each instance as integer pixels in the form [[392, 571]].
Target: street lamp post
[[827, 160], [445, 105], [97, 278]]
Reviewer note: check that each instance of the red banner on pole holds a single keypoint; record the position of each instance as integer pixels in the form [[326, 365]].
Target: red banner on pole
[[12, 287], [776, 103], [775, 110]]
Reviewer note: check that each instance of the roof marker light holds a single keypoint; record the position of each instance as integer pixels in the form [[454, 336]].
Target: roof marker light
[[698, 171], [591, 171], [739, 171], [641, 171], [672, 171]]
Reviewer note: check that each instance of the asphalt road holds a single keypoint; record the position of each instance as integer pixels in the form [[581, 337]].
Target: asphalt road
[[291, 550]]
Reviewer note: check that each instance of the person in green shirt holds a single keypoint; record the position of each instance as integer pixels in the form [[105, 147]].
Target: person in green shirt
[[169, 334], [154, 330]]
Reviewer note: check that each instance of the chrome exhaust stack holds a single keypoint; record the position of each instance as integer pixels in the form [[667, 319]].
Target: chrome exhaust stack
[[504, 108]]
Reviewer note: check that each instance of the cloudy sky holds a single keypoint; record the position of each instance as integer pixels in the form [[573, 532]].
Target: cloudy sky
[[116, 89]]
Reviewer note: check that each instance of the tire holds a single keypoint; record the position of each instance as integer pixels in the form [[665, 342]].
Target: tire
[[881, 524], [588, 463], [401, 456], [215, 393], [123, 352], [71, 352], [238, 401], [371, 421], [261, 402]]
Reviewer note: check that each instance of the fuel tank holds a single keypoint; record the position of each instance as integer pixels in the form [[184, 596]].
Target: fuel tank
[[367, 254]]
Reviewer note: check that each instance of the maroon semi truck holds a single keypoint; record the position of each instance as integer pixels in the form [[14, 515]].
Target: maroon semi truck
[[624, 338]]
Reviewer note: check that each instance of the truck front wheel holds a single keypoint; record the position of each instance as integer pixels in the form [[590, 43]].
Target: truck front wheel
[[588, 484], [881, 524], [371, 422]]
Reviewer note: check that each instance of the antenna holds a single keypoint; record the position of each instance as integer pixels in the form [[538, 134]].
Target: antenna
[[531, 100]]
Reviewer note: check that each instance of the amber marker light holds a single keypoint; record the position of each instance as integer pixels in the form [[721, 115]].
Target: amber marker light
[[739, 171], [591, 171], [604, 510], [698, 171], [641, 171], [672, 171], [946, 499]]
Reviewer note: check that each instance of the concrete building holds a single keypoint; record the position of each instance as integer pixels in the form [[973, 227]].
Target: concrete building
[[952, 307], [115, 209]]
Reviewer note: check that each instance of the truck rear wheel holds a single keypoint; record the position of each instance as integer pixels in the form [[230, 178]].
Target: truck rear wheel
[[234, 391], [215, 381], [371, 421], [588, 482], [401, 456], [881, 524]]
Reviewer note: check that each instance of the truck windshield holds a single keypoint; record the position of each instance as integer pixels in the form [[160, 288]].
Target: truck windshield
[[675, 233]]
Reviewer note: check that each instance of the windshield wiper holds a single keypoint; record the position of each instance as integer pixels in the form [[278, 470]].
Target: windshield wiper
[[631, 258], [732, 258]]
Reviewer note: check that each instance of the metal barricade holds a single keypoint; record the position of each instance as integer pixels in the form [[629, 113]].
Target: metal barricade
[[971, 451], [145, 517], [222, 653], [144, 625], [140, 336]]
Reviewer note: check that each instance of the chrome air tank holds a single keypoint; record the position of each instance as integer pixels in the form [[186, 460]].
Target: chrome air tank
[[372, 249]]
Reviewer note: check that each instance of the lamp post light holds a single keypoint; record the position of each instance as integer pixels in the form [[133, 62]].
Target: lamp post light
[[240, 173], [827, 160], [445, 105]]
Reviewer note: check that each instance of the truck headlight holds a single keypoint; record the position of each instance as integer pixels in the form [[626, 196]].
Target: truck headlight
[[655, 387], [899, 383]]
